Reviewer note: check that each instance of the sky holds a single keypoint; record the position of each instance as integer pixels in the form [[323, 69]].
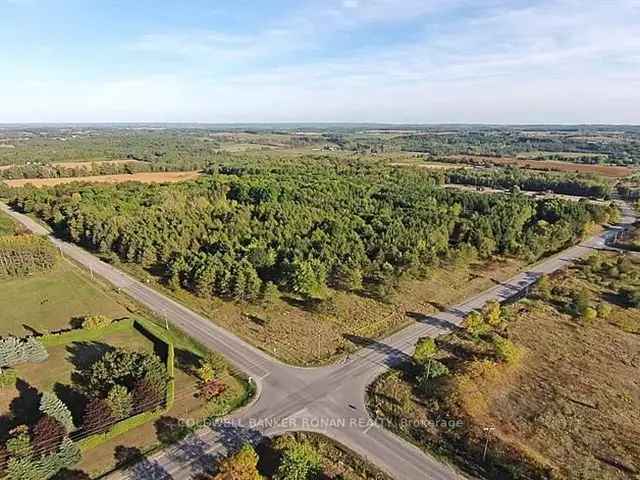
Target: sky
[[388, 61]]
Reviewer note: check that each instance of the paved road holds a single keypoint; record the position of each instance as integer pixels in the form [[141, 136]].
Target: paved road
[[330, 400]]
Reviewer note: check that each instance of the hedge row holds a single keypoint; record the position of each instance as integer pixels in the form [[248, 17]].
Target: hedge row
[[83, 335]]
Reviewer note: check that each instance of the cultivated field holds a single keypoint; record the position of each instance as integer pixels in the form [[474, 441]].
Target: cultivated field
[[613, 171], [146, 177], [86, 164]]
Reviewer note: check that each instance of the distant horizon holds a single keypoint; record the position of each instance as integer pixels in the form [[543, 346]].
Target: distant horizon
[[312, 123], [496, 62]]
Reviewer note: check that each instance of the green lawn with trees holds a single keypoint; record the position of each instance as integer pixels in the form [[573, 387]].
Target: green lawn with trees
[[80, 380]]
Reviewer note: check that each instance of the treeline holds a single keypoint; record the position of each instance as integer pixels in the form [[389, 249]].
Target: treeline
[[618, 148], [23, 255], [508, 178], [301, 229], [63, 171]]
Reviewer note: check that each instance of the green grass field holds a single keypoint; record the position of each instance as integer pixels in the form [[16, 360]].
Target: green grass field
[[50, 301]]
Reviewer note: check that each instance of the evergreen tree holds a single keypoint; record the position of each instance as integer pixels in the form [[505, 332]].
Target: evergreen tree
[[120, 401], [52, 406], [47, 435], [97, 417]]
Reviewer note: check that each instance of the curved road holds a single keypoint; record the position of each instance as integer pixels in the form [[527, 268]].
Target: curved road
[[330, 400]]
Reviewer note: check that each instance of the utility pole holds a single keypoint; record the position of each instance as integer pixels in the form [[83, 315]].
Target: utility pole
[[487, 430]]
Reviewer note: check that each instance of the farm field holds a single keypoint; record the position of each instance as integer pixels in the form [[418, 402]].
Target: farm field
[[563, 401], [611, 171], [83, 164], [145, 177]]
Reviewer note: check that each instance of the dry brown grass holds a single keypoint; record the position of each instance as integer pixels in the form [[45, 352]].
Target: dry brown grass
[[296, 335], [570, 409], [146, 177]]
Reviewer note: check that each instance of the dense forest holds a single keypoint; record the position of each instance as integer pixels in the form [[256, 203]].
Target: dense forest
[[508, 178], [242, 233]]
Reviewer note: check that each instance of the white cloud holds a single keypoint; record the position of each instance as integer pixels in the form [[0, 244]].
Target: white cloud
[[557, 61]]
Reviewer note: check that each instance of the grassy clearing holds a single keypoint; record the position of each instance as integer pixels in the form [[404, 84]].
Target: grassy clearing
[[569, 409], [52, 300], [292, 333]]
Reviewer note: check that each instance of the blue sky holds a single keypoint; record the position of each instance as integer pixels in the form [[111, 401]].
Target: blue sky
[[417, 61]]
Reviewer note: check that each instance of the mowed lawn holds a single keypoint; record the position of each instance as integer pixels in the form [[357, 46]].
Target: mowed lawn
[[52, 300], [55, 373]]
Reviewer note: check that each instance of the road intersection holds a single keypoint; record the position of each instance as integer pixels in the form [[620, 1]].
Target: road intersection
[[330, 400]]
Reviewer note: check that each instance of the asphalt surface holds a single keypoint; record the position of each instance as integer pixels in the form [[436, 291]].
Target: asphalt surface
[[330, 400]]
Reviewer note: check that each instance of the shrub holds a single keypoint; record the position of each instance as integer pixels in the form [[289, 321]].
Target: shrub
[[211, 389], [581, 302], [425, 349], [8, 378], [212, 366], [93, 322], [475, 324], [299, 462], [506, 350], [493, 313], [51, 405], [543, 288], [604, 310], [589, 315]]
